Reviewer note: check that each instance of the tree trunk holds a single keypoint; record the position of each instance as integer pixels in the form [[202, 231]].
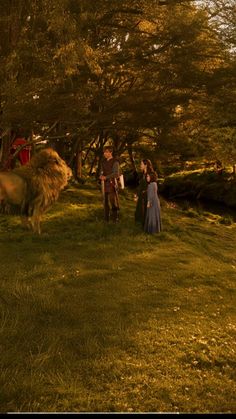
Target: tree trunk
[[92, 166], [99, 154], [78, 161], [7, 140], [130, 151]]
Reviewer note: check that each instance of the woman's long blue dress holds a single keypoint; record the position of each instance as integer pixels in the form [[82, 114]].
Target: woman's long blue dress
[[153, 222]]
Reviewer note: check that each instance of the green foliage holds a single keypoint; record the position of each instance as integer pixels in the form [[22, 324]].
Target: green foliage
[[203, 184], [115, 72]]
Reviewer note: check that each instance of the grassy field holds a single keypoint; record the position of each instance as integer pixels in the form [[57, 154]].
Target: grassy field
[[104, 318]]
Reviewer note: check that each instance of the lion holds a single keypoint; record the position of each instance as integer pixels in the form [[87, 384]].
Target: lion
[[30, 190]]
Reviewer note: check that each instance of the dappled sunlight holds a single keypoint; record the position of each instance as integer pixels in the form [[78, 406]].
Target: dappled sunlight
[[61, 212], [182, 173]]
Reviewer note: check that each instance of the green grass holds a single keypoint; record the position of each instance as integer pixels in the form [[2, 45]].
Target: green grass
[[104, 318]]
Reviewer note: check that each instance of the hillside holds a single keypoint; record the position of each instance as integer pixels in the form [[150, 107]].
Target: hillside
[[103, 318]]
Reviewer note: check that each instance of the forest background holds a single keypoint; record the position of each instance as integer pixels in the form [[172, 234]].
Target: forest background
[[154, 78]]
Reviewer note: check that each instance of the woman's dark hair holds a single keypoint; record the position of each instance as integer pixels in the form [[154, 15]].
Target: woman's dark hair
[[153, 176], [148, 163], [108, 147]]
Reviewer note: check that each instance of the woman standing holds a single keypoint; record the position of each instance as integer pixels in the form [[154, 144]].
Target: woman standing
[[141, 196], [153, 214]]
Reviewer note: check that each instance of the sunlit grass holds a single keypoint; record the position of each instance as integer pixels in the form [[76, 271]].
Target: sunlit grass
[[104, 318]]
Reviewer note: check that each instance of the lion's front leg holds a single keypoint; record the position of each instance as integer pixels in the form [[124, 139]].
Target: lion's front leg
[[26, 222], [35, 223], [36, 210]]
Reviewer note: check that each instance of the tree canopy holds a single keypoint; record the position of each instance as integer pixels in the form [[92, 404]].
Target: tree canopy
[[125, 71]]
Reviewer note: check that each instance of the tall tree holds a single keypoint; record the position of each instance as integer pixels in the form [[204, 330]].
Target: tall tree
[[103, 72]]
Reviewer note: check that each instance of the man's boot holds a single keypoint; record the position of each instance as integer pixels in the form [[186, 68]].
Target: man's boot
[[115, 217], [107, 214]]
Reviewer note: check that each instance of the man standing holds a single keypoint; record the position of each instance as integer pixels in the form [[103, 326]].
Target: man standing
[[110, 172]]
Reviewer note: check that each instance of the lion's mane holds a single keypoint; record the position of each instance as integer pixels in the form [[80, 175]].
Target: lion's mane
[[33, 188]]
